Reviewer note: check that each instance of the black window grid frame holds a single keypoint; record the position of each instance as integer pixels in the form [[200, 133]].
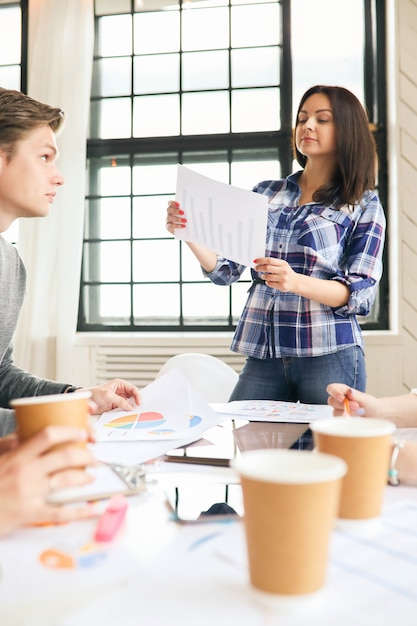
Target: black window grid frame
[[175, 147], [24, 10]]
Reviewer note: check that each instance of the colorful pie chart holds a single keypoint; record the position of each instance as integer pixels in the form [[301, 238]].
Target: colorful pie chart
[[149, 419], [150, 422]]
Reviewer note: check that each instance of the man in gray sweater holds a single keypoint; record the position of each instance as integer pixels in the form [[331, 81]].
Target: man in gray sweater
[[29, 178]]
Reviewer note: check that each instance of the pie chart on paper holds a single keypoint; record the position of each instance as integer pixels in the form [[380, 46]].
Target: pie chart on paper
[[149, 419], [146, 426]]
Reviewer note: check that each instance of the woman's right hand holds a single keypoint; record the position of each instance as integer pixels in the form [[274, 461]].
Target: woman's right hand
[[175, 217]]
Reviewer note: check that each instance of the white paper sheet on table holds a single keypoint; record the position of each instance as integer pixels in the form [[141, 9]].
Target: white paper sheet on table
[[273, 411], [170, 409], [226, 219], [61, 562]]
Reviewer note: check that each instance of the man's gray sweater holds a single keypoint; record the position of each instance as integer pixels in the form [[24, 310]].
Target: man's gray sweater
[[14, 382]]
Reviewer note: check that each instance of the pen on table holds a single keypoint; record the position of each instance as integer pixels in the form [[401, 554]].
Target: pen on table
[[111, 520], [346, 406]]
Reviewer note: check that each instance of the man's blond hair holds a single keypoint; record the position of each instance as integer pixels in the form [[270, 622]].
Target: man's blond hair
[[19, 114]]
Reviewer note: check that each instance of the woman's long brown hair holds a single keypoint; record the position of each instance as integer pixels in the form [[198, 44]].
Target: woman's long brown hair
[[356, 152]]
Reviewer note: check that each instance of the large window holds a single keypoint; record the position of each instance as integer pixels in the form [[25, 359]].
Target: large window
[[13, 31], [12, 75], [211, 84]]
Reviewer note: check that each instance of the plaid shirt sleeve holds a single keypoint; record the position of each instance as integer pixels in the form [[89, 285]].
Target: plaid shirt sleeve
[[363, 267]]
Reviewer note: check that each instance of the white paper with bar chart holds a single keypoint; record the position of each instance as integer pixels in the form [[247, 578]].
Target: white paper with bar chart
[[228, 220]]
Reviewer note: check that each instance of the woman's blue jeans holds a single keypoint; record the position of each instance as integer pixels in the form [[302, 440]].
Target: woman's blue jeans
[[302, 379]]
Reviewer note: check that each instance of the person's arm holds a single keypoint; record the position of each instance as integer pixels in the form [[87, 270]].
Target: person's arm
[[207, 258], [16, 382], [113, 394], [401, 410], [110, 395], [30, 471], [362, 270]]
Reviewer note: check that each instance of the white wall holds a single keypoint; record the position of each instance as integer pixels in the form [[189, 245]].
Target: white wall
[[403, 155]]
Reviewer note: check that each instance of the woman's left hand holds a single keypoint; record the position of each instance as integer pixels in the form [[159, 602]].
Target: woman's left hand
[[277, 274]]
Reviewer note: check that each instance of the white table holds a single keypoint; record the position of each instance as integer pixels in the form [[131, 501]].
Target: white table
[[159, 572]]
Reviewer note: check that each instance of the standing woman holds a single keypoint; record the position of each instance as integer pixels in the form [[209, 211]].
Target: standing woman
[[322, 263]]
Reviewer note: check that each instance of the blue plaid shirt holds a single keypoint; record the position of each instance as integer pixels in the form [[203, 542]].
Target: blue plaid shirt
[[316, 240]]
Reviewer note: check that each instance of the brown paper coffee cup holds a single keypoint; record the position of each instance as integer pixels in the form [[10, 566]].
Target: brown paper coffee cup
[[365, 445], [63, 409], [290, 500]]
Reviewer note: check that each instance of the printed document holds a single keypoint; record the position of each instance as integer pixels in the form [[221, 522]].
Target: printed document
[[228, 220]]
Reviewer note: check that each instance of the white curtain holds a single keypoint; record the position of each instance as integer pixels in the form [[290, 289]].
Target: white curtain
[[61, 40]]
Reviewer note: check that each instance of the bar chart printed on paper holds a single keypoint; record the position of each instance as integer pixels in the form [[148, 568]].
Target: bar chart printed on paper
[[226, 219]]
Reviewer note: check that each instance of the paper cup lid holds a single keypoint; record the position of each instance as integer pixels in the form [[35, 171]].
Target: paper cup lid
[[57, 397], [354, 427], [289, 466]]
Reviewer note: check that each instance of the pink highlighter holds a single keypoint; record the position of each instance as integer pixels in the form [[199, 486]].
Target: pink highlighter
[[111, 520]]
